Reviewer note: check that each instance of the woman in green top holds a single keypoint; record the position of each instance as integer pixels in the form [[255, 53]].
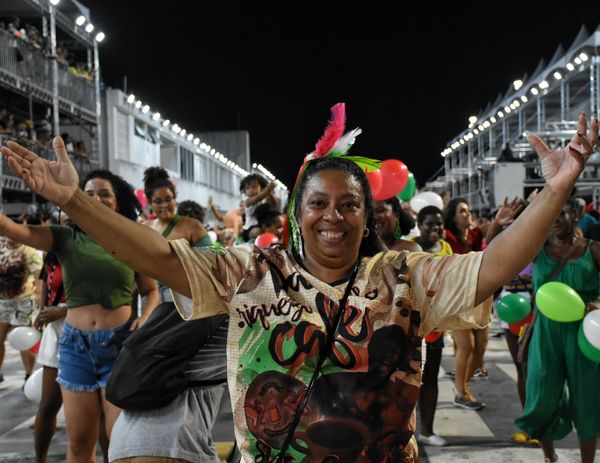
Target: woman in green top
[[161, 195], [555, 362], [99, 300]]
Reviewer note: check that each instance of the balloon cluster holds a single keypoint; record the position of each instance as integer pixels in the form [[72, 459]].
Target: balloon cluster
[[561, 303], [394, 179]]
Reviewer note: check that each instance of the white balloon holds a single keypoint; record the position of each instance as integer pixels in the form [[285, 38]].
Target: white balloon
[[33, 386], [591, 328], [433, 199], [417, 203], [23, 337]]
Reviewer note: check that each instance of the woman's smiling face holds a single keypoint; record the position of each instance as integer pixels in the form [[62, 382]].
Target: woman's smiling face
[[332, 220]]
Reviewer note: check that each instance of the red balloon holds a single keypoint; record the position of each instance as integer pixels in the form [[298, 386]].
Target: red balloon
[[515, 328], [35, 349], [433, 336], [141, 196], [394, 176], [265, 240], [375, 181]]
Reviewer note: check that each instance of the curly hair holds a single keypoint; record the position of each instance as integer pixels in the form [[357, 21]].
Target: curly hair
[[192, 209], [405, 221], [127, 203], [427, 210], [253, 178], [156, 177], [370, 244]]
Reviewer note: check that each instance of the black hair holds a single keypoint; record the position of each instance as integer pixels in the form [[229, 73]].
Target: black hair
[[427, 210], [127, 203], [246, 232], [253, 178], [192, 209], [371, 244], [450, 212], [405, 221], [154, 178], [266, 215]]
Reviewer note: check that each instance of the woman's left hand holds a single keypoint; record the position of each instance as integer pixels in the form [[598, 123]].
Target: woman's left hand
[[562, 168]]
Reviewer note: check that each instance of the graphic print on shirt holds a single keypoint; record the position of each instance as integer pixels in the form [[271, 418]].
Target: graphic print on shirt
[[362, 406]]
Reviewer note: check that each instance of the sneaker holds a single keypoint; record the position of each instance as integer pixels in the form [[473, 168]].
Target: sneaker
[[451, 373], [519, 438], [434, 440], [1, 377], [480, 374], [551, 460], [464, 402]]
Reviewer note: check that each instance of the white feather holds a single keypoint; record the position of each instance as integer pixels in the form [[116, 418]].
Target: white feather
[[346, 141]]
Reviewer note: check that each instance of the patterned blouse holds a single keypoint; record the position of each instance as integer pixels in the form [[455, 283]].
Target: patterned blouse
[[362, 406]]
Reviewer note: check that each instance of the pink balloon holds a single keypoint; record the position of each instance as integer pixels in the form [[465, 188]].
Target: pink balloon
[[141, 196], [265, 240], [394, 176], [375, 181]]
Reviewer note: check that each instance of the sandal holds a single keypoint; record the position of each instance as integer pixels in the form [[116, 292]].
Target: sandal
[[520, 438]]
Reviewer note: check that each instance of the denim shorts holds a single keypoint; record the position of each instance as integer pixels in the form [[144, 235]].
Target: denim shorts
[[86, 358]]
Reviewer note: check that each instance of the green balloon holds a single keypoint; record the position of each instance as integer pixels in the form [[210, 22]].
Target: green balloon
[[409, 189], [559, 302], [586, 348], [513, 308]]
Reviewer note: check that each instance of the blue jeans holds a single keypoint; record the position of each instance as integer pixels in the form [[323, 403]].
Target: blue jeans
[[86, 358]]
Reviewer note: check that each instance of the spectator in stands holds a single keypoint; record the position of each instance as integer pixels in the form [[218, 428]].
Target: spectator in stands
[[80, 149], [43, 133]]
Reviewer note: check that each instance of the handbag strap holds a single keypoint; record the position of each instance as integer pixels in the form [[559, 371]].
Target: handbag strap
[[323, 354]]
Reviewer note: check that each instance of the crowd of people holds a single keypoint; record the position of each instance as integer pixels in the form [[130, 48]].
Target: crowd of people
[[36, 133], [31, 36], [337, 323]]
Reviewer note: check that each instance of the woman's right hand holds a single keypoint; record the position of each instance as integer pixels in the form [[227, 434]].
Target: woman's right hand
[[48, 314], [56, 181]]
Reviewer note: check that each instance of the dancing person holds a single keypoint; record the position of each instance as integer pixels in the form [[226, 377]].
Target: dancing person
[[363, 402], [520, 284], [99, 292], [562, 383], [470, 344], [20, 266], [161, 194], [392, 224], [431, 228]]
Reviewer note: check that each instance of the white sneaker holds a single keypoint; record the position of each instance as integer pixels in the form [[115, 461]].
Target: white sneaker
[[434, 440]]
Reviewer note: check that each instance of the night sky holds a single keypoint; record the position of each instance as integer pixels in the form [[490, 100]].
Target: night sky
[[410, 75]]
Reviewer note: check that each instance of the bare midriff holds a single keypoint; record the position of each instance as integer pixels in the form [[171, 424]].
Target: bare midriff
[[95, 317]]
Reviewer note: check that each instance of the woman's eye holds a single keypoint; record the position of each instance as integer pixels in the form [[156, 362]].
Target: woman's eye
[[317, 203]]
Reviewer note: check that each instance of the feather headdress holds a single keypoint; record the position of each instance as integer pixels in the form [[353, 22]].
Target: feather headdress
[[333, 143]]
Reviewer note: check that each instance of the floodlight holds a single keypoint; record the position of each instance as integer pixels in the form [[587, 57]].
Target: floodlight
[[557, 75], [570, 67], [89, 28], [145, 109], [156, 116], [100, 36], [80, 21], [517, 84], [166, 122], [131, 98]]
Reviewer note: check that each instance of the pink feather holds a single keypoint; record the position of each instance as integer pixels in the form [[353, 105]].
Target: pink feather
[[333, 132]]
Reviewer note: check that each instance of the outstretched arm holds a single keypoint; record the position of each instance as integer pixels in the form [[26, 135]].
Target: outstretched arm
[[516, 246], [35, 236], [251, 201], [136, 245]]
